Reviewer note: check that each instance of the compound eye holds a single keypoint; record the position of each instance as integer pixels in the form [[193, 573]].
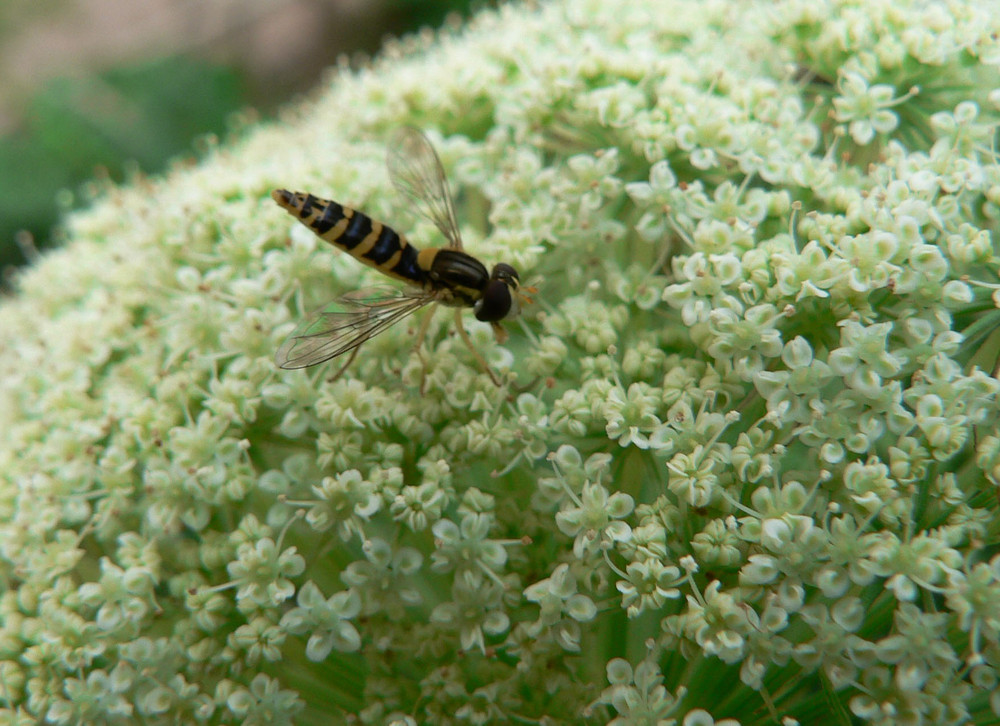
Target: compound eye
[[496, 302], [503, 271]]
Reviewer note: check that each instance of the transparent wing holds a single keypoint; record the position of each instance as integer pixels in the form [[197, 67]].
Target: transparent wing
[[345, 324], [416, 171]]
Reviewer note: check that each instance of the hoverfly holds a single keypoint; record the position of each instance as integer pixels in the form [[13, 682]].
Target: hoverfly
[[446, 275]]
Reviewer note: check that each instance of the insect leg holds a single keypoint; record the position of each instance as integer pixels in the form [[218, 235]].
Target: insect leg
[[479, 358], [499, 333], [421, 334], [350, 359]]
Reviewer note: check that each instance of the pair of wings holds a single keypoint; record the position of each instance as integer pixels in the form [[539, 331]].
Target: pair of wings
[[343, 325]]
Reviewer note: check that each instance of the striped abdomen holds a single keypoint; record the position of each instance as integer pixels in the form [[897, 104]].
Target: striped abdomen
[[357, 234]]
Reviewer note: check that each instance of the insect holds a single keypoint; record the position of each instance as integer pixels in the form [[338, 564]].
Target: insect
[[445, 275]]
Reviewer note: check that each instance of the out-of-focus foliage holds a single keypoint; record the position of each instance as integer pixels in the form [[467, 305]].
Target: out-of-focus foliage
[[142, 115], [135, 116]]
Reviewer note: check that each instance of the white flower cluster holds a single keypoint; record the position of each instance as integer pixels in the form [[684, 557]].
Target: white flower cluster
[[746, 450]]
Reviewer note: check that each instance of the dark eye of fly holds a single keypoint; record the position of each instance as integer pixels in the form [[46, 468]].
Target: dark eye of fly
[[503, 271], [495, 302]]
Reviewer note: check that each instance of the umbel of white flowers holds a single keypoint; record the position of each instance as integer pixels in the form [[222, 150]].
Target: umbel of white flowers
[[742, 462]]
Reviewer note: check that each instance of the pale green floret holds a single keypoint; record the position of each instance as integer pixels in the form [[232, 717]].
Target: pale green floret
[[465, 547], [744, 462], [474, 612], [594, 519], [558, 599], [647, 586], [630, 414], [325, 621], [386, 578]]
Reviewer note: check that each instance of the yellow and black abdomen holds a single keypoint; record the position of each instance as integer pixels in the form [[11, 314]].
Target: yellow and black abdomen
[[357, 234]]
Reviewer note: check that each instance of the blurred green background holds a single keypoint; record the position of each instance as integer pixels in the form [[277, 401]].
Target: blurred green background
[[94, 88]]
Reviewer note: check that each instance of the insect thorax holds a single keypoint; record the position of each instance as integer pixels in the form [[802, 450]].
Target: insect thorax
[[457, 278]]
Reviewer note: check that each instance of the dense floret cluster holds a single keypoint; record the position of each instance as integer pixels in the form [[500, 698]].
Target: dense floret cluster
[[744, 463]]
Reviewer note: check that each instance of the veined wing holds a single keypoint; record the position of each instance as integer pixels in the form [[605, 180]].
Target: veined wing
[[416, 171], [346, 323]]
